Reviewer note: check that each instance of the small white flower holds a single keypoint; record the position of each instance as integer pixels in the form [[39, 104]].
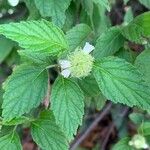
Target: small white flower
[[66, 73], [13, 2], [66, 64], [88, 48], [10, 11], [139, 142]]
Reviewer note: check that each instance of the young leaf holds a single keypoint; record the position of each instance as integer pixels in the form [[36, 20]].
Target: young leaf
[[104, 3], [24, 89], [108, 43], [37, 36], [47, 134], [67, 103], [142, 62], [10, 142], [121, 82], [77, 36], [54, 9], [123, 144], [139, 27]]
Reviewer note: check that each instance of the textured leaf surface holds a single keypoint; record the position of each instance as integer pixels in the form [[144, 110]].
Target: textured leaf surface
[[77, 36], [108, 43], [47, 134], [24, 89], [67, 102], [54, 9], [139, 27], [121, 82], [143, 64], [10, 142], [123, 145], [104, 3], [38, 36]]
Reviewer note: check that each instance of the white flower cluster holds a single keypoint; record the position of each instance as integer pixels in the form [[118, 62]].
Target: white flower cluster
[[13, 2], [138, 142], [79, 64]]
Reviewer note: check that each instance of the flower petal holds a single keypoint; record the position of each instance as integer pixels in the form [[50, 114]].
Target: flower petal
[[64, 64], [66, 73], [13, 2], [88, 47]]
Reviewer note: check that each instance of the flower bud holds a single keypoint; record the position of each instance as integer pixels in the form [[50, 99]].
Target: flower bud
[[138, 142]]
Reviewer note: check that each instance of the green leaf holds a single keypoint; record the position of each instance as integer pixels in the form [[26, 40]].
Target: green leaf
[[5, 48], [16, 121], [144, 129], [47, 134], [24, 90], [128, 16], [142, 62], [139, 27], [89, 86], [54, 9], [108, 43], [146, 3], [33, 11], [104, 3], [37, 36], [137, 118], [10, 142], [121, 82], [67, 103], [77, 36], [123, 144]]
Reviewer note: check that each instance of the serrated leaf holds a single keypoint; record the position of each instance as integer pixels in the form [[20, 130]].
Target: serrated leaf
[[146, 3], [37, 36], [123, 144], [104, 3], [10, 142], [108, 43], [139, 27], [77, 36], [47, 134], [24, 90], [143, 64], [67, 103], [54, 9], [121, 82]]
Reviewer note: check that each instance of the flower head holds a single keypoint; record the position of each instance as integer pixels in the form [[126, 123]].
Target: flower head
[[13, 2], [138, 142], [79, 63]]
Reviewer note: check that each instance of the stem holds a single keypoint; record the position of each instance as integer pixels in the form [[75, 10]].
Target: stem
[[52, 66]]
